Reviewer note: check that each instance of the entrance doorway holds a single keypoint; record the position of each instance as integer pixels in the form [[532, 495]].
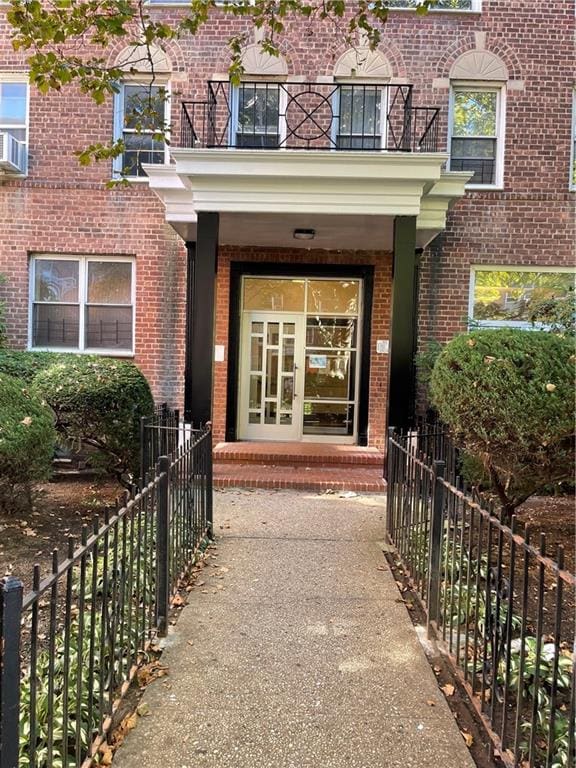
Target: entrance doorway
[[299, 359]]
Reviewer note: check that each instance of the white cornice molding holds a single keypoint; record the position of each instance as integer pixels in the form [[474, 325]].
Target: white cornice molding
[[303, 182]]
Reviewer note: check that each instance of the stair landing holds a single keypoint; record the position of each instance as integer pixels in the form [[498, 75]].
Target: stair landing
[[299, 466]]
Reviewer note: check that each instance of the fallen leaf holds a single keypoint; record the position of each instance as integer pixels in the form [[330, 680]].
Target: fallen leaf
[[381, 568], [468, 738], [143, 709], [200, 583], [178, 601], [431, 703], [105, 755], [30, 532], [27, 420], [448, 689], [150, 672]]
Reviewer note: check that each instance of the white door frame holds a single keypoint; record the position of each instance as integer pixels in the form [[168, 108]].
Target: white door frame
[[295, 431]]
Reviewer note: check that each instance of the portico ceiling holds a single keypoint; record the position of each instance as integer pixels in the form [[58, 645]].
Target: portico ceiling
[[350, 199]]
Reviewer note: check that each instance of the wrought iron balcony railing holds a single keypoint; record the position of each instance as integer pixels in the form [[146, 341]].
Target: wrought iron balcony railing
[[345, 116]]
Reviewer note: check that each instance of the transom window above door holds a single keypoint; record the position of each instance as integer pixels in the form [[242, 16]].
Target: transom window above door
[[313, 295], [82, 304]]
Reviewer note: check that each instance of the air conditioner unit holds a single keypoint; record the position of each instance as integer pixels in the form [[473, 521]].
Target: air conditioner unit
[[12, 154]]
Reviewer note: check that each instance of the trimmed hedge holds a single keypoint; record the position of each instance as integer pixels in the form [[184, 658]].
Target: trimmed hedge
[[99, 402], [26, 365], [27, 439], [507, 396]]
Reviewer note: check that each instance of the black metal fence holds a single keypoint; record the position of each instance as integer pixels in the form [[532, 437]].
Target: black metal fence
[[261, 115], [503, 605], [70, 646]]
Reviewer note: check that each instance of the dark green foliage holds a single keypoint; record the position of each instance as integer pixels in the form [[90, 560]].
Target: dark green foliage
[[425, 360], [27, 439], [508, 397], [98, 402], [25, 365]]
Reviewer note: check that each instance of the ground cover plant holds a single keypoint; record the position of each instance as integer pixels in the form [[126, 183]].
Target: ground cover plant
[[476, 609]]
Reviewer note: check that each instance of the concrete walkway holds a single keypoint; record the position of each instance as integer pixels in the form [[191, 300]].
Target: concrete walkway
[[296, 651]]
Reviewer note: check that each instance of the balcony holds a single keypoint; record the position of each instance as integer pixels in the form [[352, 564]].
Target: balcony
[[309, 116], [374, 157]]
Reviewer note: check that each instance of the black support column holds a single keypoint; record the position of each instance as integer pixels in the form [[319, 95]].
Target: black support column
[[200, 304], [404, 324]]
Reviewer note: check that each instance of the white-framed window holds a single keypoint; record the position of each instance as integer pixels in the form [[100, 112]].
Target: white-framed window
[[505, 296], [256, 110], [476, 132], [362, 113], [441, 5], [141, 120], [573, 145], [14, 98], [82, 303]]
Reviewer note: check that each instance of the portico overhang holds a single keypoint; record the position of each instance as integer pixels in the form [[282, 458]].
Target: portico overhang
[[349, 198]]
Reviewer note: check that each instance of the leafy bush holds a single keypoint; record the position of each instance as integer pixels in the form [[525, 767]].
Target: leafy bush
[[99, 402], [27, 439], [507, 396], [25, 365]]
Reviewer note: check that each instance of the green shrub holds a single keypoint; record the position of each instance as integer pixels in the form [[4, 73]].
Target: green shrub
[[98, 402], [27, 439], [507, 396], [25, 365]]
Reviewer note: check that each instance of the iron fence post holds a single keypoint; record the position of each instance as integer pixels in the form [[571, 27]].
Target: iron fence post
[[209, 482], [389, 484], [163, 546], [11, 591], [143, 452], [436, 524]]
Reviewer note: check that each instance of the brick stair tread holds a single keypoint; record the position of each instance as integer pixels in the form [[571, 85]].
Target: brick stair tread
[[360, 479], [298, 454]]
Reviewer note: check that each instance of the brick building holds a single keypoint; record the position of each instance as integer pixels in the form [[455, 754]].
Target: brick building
[[273, 267]]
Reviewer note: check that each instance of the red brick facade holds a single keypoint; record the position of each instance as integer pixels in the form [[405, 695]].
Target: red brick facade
[[64, 208]]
